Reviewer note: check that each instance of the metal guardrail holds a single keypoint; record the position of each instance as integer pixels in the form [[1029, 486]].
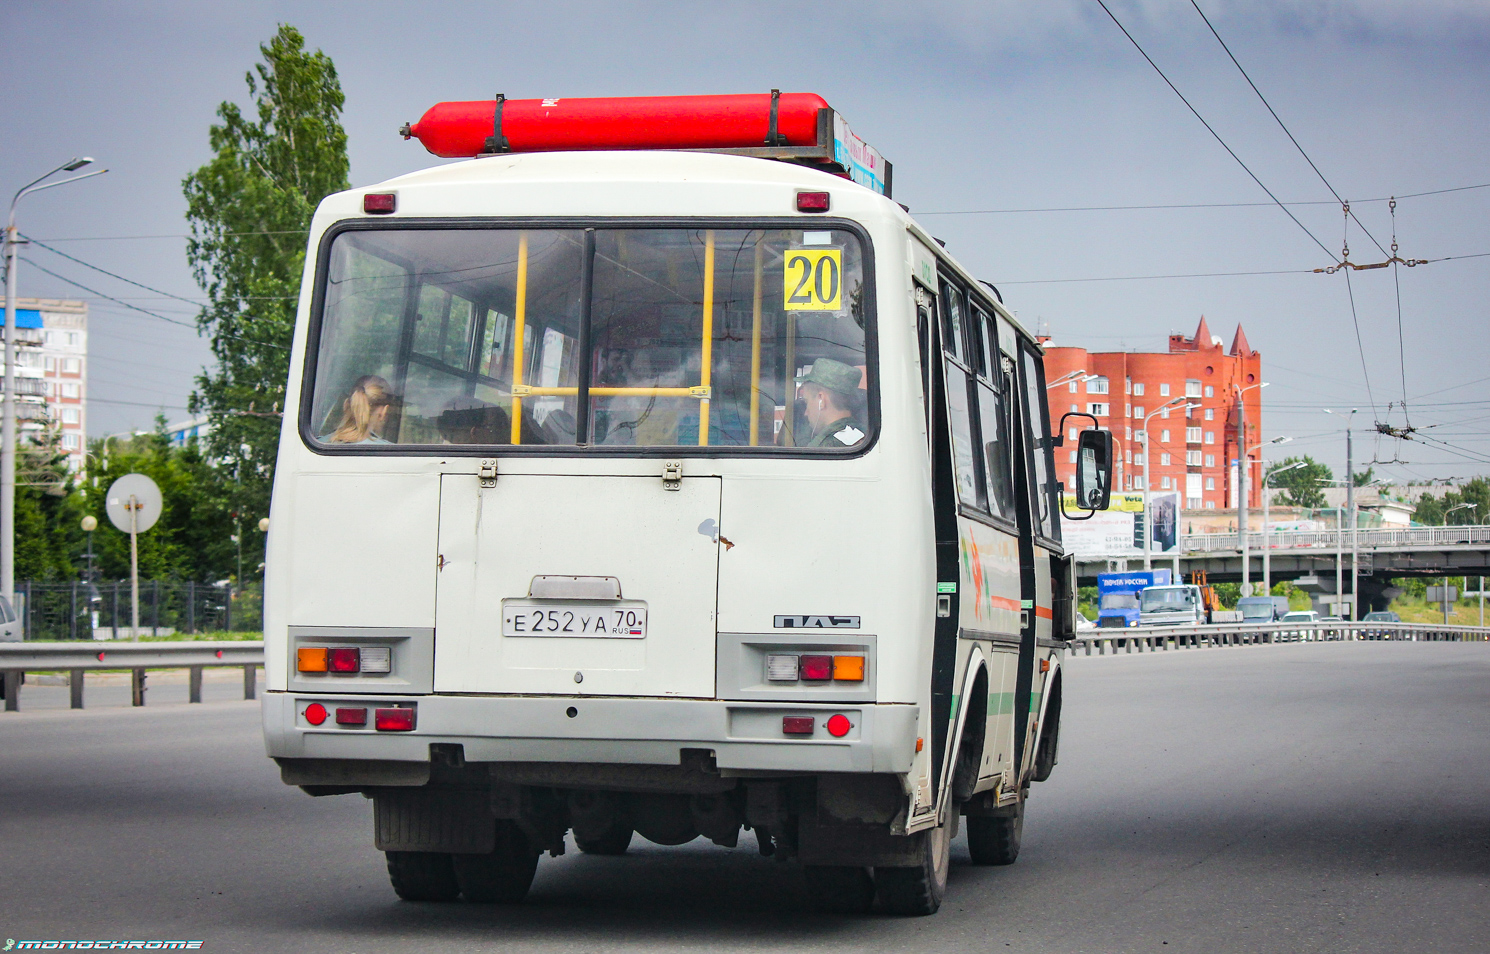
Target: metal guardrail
[[79, 657], [1160, 638], [1414, 538]]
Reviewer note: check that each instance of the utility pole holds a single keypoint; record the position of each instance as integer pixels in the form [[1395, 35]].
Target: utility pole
[[8, 405]]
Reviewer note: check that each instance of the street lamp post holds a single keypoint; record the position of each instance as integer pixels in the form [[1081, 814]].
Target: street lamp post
[[1244, 471], [1461, 506], [1267, 579], [1148, 520], [1350, 508], [1078, 375], [8, 407], [1242, 520]]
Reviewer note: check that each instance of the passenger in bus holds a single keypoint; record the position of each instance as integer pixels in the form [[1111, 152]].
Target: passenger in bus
[[831, 392], [365, 413], [470, 421]]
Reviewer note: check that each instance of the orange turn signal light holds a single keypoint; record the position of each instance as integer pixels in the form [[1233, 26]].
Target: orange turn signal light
[[311, 659], [848, 668]]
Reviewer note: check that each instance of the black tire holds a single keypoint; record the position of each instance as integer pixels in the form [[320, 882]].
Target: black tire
[[995, 840], [504, 875], [613, 842], [837, 889], [919, 890], [422, 876]]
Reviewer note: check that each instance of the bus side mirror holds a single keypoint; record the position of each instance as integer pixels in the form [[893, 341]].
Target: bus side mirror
[[1094, 470]]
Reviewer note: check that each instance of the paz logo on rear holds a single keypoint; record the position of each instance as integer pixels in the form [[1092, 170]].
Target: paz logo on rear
[[817, 622]]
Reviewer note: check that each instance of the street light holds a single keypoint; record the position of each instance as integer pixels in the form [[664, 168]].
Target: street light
[[1148, 522], [1462, 506], [1267, 579], [1244, 472], [1079, 375], [8, 407], [1242, 510], [1350, 509]]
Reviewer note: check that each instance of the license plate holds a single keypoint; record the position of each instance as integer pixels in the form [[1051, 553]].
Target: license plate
[[557, 618]]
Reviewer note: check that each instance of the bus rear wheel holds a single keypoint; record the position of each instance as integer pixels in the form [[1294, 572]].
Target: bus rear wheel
[[422, 876], [918, 890], [838, 889], [504, 875], [995, 840]]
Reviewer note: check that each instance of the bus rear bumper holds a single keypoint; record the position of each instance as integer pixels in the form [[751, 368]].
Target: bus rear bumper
[[742, 736]]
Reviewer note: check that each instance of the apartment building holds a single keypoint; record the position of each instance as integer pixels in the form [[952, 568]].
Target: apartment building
[[52, 374], [1193, 451]]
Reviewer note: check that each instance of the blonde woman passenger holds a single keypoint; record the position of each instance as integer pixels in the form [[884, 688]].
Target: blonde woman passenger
[[365, 412]]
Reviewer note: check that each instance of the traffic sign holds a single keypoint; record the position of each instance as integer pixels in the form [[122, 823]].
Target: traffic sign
[[133, 503]]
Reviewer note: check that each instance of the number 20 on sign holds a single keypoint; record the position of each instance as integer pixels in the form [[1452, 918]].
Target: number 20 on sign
[[814, 279]]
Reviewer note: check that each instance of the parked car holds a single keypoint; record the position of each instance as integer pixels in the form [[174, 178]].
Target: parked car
[[1379, 616], [1297, 616]]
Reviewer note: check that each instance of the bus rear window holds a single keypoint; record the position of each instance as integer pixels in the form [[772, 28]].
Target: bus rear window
[[608, 338]]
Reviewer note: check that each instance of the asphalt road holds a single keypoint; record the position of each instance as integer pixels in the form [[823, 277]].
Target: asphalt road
[[1326, 797]]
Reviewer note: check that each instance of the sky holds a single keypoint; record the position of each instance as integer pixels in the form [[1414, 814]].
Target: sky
[[994, 113]]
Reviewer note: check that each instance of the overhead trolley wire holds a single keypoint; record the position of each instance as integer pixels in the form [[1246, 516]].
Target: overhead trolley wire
[[105, 271], [1211, 130], [1282, 125], [143, 311]]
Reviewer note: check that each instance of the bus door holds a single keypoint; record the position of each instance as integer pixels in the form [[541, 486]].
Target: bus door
[[570, 584], [1039, 529]]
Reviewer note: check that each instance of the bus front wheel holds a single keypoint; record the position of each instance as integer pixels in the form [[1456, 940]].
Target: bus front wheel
[[995, 840], [918, 890]]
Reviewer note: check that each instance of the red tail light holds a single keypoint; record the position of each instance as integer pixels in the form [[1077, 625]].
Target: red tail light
[[380, 203], [797, 725], [817, 668], [394, 720], [315, 713], [812, 201], [345, 659], [352, 715], [837, 725]]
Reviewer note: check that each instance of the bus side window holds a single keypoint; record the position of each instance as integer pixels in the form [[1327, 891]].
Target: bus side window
[[959, 420], [1040, 461], [954, 339]]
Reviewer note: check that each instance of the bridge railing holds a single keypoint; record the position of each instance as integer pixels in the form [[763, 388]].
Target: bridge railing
[[75, 658], [1162, 638], [1372, 539]]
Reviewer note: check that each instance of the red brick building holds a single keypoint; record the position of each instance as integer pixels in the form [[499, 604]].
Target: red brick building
[[1193, 451]]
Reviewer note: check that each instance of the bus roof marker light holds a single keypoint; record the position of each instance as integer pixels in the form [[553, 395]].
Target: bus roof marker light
[[812, 202], [380, 203]]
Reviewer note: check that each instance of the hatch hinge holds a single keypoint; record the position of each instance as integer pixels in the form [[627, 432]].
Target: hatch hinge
[[672, 475], [487, 474]]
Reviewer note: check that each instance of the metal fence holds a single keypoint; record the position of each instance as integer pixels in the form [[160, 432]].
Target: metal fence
[[1373, 539], [78, 610], [1162, 638], [16, 659]]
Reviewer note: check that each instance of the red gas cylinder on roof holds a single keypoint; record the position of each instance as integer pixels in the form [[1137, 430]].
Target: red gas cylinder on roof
[[453, 130]]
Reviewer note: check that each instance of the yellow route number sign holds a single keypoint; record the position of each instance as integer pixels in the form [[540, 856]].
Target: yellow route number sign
[[814, 279]]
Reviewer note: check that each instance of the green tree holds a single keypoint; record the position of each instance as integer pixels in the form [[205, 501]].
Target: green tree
[[192, 540], [249, 209], [1301, 485], [1430, 510], [1364, 477], [48, 538]]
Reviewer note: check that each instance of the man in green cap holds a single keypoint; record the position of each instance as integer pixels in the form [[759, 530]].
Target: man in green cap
[[830, 389]]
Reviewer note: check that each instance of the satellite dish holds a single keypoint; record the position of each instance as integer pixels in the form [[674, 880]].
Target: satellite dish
[[133, 503]]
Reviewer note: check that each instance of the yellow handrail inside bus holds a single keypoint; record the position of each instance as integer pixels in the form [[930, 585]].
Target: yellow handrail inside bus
[[708, 343], [755, 353], [520, 391], [521, 310]]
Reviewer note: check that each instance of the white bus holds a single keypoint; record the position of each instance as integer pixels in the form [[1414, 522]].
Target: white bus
[[676, 493]]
